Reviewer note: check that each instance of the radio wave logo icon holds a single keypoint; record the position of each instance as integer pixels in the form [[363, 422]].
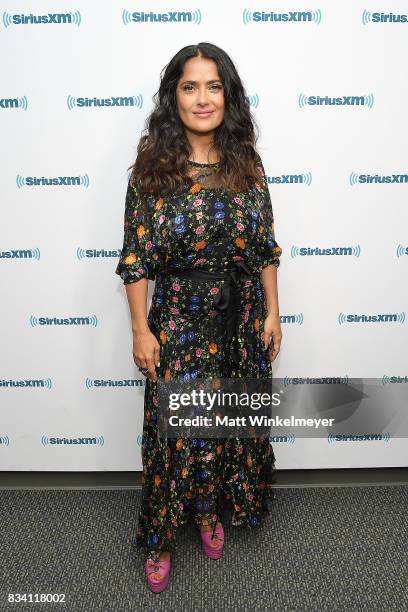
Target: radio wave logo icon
[[246, 16], [402, 250], [356, 250], [369, 100], [253, 100], [20, 181], [139, 440], [331, 438], [48, 383], [126, 17], [366, 17], [298, 318], [80, 253], [93, 320], [307, 178], [354, 179], [71, 102], [317, 16], [89, 383], [84, 181], [76, 18], [385, 380], [302, 100], [386, 436], [100, 440], [5, 440], [7, 20], [401, 317], [45, 440], [33, 321]]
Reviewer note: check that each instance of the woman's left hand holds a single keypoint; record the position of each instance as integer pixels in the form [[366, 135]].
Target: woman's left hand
[[272, 334]]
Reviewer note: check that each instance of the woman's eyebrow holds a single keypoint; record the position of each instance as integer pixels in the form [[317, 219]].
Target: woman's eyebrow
[[195, 82]]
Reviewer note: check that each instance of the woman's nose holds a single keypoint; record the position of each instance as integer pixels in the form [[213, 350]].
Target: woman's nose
[[202, 95]]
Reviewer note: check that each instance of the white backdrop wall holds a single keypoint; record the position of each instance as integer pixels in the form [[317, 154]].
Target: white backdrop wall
[[76, 88]]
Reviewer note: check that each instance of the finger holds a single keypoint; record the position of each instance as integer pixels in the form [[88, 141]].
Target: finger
[[152, 368], [157, 355]]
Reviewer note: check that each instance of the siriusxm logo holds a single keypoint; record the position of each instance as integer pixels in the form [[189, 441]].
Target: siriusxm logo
[[369, 179], [304, 100], [96, 441], [5, 440], [383, 437], [296, 318], [308, 380], [91, 320], [73, 18], [317, 251], [94, 253], [291, 179], [289, 439], [368, 17], [65, 181], [122, 101], [21, 254], [377, 318], [91, 383], [39, 383], [272, 17], [14, 103], [165, 17], [387, 380]]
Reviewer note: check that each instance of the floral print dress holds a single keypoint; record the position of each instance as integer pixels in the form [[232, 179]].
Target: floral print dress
[[205, 228]]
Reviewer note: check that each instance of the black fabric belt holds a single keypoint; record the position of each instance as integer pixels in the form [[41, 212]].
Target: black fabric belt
[[228, 299]]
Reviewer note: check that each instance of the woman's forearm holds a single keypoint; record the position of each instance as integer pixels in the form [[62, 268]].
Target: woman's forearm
[[137, 298], [270, 283]]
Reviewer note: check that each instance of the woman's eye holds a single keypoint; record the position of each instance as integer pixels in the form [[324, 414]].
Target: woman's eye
[[190, 87]]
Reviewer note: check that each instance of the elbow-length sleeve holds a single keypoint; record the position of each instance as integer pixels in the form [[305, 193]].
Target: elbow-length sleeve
[[139, 256], [268, 250]]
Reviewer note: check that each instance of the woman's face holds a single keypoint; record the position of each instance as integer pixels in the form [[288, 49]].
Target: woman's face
[[200, 96]]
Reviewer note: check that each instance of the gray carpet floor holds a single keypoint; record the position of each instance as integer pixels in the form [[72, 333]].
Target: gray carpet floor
[[329, 548]]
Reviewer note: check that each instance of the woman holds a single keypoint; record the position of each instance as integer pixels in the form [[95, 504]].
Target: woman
[[198, 220]]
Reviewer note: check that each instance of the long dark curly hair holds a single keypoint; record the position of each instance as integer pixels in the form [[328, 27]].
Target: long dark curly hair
[[162, 153]]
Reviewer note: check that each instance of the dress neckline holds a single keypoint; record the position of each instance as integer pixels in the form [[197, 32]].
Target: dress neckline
[[193, 163]]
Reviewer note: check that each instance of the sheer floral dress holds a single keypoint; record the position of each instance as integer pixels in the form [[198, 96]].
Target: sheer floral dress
[[205, 228]]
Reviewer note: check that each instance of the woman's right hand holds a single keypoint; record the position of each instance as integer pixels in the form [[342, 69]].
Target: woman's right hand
[[146, 352]]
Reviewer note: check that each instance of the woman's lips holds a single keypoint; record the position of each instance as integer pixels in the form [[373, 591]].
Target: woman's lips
[[204, 114]]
